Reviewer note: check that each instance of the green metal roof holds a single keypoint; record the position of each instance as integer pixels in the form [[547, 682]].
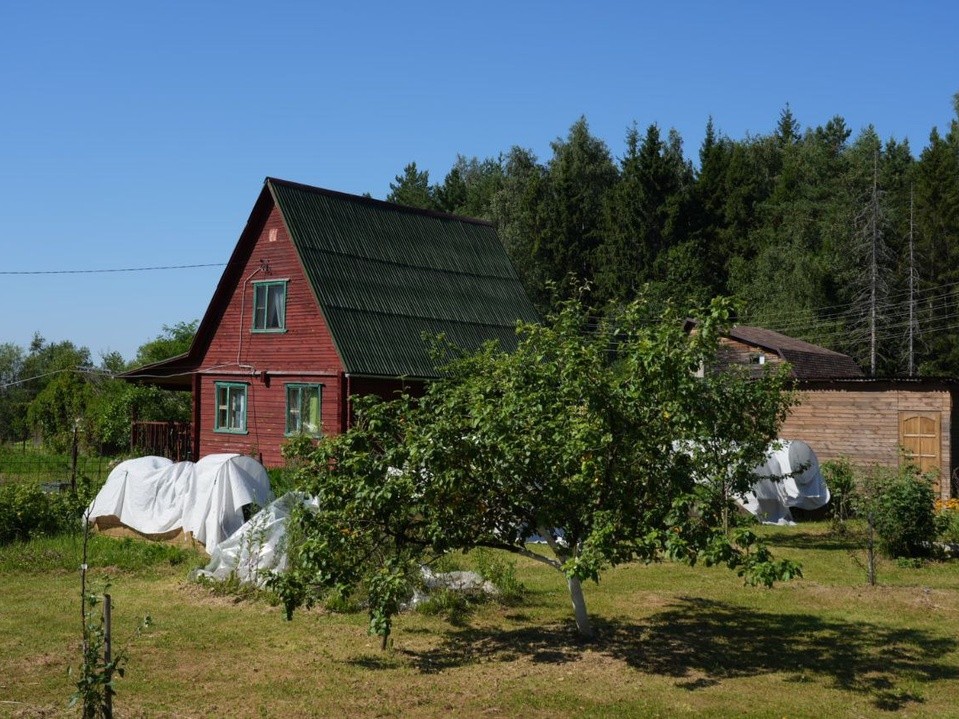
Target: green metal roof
[[385, 275]]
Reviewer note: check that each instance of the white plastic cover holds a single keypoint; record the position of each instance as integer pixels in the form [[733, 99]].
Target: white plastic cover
[[258, 548], [789, 478], [153, 496]]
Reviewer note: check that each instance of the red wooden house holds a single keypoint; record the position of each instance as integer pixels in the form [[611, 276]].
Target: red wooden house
[[329, 295]]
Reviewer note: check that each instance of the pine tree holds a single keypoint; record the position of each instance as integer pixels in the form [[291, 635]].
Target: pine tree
[[937, 247], [412, 189], [579, 175]]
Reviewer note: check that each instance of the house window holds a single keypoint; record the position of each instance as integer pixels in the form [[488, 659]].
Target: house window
[[269, 306], [230, 407], [303, 403]]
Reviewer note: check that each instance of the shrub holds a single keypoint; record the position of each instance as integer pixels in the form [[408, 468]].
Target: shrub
[[501, 571], [947, 520], [282, 480], [901, 507], [27, 511], [455, 607], [841, 480]]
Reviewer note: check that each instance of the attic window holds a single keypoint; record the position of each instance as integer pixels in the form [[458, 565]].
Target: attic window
[[269, 306], [757, 358]]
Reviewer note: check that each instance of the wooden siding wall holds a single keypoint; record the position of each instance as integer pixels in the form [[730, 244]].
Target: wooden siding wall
[[267, 361], [735, 352], [863, 425]]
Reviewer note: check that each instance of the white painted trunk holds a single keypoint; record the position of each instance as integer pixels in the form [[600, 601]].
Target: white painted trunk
[[579, 607]]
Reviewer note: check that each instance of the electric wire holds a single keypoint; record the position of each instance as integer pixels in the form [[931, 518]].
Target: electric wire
[[109, 270]]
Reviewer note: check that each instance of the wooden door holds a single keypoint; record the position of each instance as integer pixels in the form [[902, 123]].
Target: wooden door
[[920, 439]]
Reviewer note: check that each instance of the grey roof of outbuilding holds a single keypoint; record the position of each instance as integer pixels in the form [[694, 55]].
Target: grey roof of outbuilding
[[385, 276]]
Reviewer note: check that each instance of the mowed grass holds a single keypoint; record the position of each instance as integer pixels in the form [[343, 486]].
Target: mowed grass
[[671, 641]]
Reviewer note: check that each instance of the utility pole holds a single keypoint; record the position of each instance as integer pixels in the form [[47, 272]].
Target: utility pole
[[73, 457], [874, 269], [912, 282]]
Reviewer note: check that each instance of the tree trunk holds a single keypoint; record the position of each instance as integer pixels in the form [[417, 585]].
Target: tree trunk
[[579, 608]]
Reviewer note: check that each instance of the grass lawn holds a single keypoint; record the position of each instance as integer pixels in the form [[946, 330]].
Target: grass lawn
[[672, 641]]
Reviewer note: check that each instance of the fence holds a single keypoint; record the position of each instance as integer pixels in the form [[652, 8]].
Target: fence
[[27, 462], [173, 440]]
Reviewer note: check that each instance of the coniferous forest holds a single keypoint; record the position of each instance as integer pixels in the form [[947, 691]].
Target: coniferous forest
[[848, 241]]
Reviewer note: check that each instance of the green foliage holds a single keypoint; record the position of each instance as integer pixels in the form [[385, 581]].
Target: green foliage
[[455, 607], [282, 480], [900, 505], [783, 220], [26, 511], [947, 521], [172, 341], [61, 553], [95, 686], [602, 435], [498, 568], [841, 480], [412, 189], [101, 659], [54, 389]]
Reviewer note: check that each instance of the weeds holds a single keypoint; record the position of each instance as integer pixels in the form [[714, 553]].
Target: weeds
[[501, 571]]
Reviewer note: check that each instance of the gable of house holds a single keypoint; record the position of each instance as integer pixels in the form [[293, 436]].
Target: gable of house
[[386, 275], [327, 295]]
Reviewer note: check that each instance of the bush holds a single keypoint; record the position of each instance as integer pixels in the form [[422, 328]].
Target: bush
[[841, 480], [455, 607], [282, 480], [901, 507], [501, 571], [27, 511], [947, 521]]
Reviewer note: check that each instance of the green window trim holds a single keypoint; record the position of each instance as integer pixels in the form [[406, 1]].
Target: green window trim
[[230, 407], [304, 409], [269, 306]]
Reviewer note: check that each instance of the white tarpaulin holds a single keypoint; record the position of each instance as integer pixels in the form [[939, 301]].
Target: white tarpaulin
[[258, 548], [789, 478], [154, 496]]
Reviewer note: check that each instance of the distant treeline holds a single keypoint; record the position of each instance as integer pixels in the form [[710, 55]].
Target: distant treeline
[[54, 392], [851, 243]]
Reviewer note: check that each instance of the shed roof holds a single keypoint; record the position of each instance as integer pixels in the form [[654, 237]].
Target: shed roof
[[808, 361]]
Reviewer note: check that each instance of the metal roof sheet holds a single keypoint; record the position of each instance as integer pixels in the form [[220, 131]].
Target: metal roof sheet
[[385, 275]]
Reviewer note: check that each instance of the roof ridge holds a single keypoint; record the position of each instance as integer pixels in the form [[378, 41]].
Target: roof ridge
[[373, 202]]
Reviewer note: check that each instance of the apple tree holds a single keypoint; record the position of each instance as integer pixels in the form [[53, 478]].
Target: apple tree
[[615, 439]]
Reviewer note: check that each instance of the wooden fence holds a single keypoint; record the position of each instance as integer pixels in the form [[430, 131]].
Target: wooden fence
[[173, 440]]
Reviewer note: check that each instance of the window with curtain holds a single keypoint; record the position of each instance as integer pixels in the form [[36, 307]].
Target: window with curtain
[[230, 407], [269, 306], [303, 402]]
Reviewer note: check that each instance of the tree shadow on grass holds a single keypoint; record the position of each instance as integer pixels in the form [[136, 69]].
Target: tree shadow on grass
[[805, 540], [702, 642]]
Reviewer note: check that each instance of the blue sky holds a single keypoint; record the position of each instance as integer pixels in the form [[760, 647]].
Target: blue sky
[[138, 134]]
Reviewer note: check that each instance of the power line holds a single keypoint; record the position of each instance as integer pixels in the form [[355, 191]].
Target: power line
[[101, 271]]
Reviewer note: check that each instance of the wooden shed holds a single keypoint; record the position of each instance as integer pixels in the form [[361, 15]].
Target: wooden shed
[[873, 421], [844, 414]]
